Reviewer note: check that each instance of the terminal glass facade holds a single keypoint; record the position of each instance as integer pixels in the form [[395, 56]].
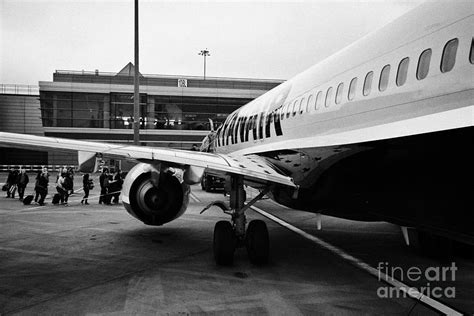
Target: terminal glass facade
[[115, 110]]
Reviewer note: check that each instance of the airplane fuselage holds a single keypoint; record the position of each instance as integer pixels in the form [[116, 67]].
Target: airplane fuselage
[[382, 130]]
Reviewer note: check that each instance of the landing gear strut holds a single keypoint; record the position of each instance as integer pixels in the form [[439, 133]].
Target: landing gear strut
[[229, 236]]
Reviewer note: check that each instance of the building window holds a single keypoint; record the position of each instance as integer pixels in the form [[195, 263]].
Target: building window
[[368, 83], [402, 71], [319, 100], [449, 55], [352, 89], [327, 102], [308, 104], [423, 64], [384, 75], [340, 89]]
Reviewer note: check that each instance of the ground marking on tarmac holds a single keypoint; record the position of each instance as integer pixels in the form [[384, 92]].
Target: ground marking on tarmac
[[410, 291]]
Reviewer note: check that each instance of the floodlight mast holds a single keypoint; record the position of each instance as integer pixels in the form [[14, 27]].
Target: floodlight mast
[[136, 83], [204, 53]]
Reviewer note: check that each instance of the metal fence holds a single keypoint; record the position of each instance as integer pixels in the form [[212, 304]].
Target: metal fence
[[4, 168], [19, 89]]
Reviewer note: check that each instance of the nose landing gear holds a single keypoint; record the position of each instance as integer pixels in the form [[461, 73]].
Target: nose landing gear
[[228, 236]]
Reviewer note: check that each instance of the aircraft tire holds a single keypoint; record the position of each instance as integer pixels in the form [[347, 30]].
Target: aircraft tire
[[257, 242], [224, 243]]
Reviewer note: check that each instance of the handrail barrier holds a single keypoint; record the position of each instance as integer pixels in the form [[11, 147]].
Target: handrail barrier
[[4, 168], [19, 89]]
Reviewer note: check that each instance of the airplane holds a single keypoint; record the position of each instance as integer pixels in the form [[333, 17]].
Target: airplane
[[380, 131]]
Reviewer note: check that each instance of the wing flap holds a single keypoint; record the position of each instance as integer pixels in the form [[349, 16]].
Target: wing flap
[[250, 167]]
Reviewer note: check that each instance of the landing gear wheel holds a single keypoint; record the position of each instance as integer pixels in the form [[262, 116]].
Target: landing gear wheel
[[224, 243], [257, 242]]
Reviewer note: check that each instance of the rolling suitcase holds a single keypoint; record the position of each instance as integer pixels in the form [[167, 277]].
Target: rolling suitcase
[[27, 200], [56, 198]]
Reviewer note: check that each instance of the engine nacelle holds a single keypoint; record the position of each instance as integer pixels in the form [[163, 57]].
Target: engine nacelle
[[154, 197]]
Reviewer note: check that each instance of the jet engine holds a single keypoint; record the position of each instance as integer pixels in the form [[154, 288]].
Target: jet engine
[[155, 195]]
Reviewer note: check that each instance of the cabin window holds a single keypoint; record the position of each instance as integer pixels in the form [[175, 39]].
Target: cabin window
[[260, 125], [352, 89], [423, 64], [402, 71], [248, 126], [243, 122], [224, 133], [288, 110], [236, 129], [268, 123], [294, 107], [229, 132], [308, 104], [277, 125], [327, 102], [283, 111], [368, 83], [319, 100], [449, 55], [301, 105], [232, 130], [471, 54], [340, 89], [384, 74], [219, 133], [254, 127]]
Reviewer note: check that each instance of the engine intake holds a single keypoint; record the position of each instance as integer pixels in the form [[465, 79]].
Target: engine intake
[[154, 197]]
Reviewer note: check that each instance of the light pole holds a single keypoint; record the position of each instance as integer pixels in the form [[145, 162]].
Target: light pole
[[205, 53], [136, 84]]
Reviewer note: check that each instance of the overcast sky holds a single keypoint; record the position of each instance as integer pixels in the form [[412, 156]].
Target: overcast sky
[[273, 40]]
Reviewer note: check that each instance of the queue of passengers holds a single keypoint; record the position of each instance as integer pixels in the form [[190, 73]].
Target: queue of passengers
[[111, 186]]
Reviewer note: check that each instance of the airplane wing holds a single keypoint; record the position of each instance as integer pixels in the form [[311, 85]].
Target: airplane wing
[[253, 169]]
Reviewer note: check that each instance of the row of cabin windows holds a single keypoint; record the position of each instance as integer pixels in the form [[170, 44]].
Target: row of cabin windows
[[260, 122], [238, 129], [448, 60]]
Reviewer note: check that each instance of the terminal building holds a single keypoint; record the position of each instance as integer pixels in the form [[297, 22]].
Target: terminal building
[[98, 106]]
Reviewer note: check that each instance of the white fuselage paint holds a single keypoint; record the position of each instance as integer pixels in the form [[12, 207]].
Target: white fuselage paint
[[441, 101]]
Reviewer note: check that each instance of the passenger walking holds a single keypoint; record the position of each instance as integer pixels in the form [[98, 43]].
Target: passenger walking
[[108, 182], [61, 188], [8, 183], [13, 183], [37, 190], [70, 172], [116, 185], [23, 180], [68, 185], [41, 186], [87, 185], [103, 181]]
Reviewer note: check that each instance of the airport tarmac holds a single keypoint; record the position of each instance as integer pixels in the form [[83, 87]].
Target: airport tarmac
[[97, 259]]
